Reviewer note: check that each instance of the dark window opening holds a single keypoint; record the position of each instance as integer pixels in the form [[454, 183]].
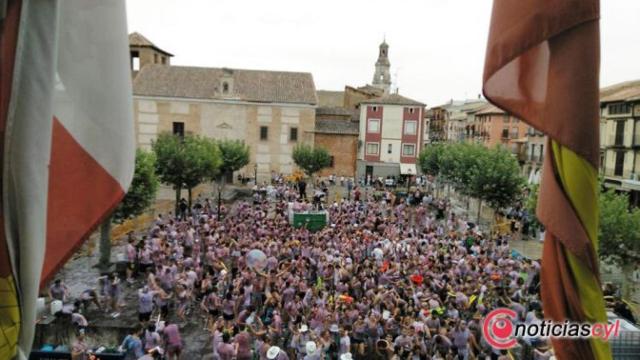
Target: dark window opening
[[621, 108], [178, 129], [332, 163], [619, 133], [619, 164], [293, 134], [225, 87], [264, 132]]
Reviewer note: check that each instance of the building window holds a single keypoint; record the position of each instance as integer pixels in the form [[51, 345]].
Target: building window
[[619, 140], [389, 148], [618, 170], [411, 110], [408, 150], [178, 129], [372, 149], [332, 164], [293, 134], [264, 132], [505, 133], [410, 127], [225, 87], [373, 126], [505, 119], [155, 59], [514, 133], [164, 60], [532, 152], [374, 108], [621, 108], [135, 60]]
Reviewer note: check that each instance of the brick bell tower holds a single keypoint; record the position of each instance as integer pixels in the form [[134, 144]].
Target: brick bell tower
[[382, 76]]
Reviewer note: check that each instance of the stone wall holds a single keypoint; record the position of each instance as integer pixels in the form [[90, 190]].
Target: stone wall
[[231, 120], [343, 148]]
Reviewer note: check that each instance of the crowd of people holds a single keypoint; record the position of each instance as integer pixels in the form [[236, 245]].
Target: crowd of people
[[386, 279]]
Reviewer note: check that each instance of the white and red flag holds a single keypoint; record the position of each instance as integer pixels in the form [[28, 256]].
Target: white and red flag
[[67, 150]]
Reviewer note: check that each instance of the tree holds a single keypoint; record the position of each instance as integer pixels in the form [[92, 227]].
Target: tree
[[619, 231], [141, 194], [185, 162], [465, 162], [203, 162], [430, 161], [311, 160], [235, 155], [495, 179]]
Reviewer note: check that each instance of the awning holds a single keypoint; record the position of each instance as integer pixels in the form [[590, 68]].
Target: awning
[[408, 169]]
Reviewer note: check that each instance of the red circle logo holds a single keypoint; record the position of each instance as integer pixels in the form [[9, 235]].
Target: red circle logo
[[498, 328]]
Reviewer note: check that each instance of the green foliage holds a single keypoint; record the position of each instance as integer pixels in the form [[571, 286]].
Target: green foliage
[[464, 166], [311, 160], [491, 175], [619, 232], [203, 160], [430, 159], [186, 162], [495, 178], [142, 191], [235, 155]]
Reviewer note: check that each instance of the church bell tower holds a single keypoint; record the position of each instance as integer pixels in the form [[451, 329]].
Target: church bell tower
[[382, 76]]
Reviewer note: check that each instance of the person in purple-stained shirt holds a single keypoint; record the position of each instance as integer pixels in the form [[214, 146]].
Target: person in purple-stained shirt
[[172, 340], [383, 269]]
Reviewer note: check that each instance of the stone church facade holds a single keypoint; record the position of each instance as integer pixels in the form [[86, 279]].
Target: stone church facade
[[271, 111]]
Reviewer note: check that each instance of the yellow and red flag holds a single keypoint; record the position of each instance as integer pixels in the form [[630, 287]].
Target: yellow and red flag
[[542, 65], [66, 130]]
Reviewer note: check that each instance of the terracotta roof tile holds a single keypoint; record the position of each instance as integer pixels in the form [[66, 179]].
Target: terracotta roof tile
[[626, 91], [139, 40], [392, 99], [205, 83]]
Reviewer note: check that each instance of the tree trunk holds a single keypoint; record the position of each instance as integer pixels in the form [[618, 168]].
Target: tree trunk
[[105, 244], [479, 210], [177, 208]]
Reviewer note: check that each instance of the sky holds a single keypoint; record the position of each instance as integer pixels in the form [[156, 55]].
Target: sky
[[436, 47]]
